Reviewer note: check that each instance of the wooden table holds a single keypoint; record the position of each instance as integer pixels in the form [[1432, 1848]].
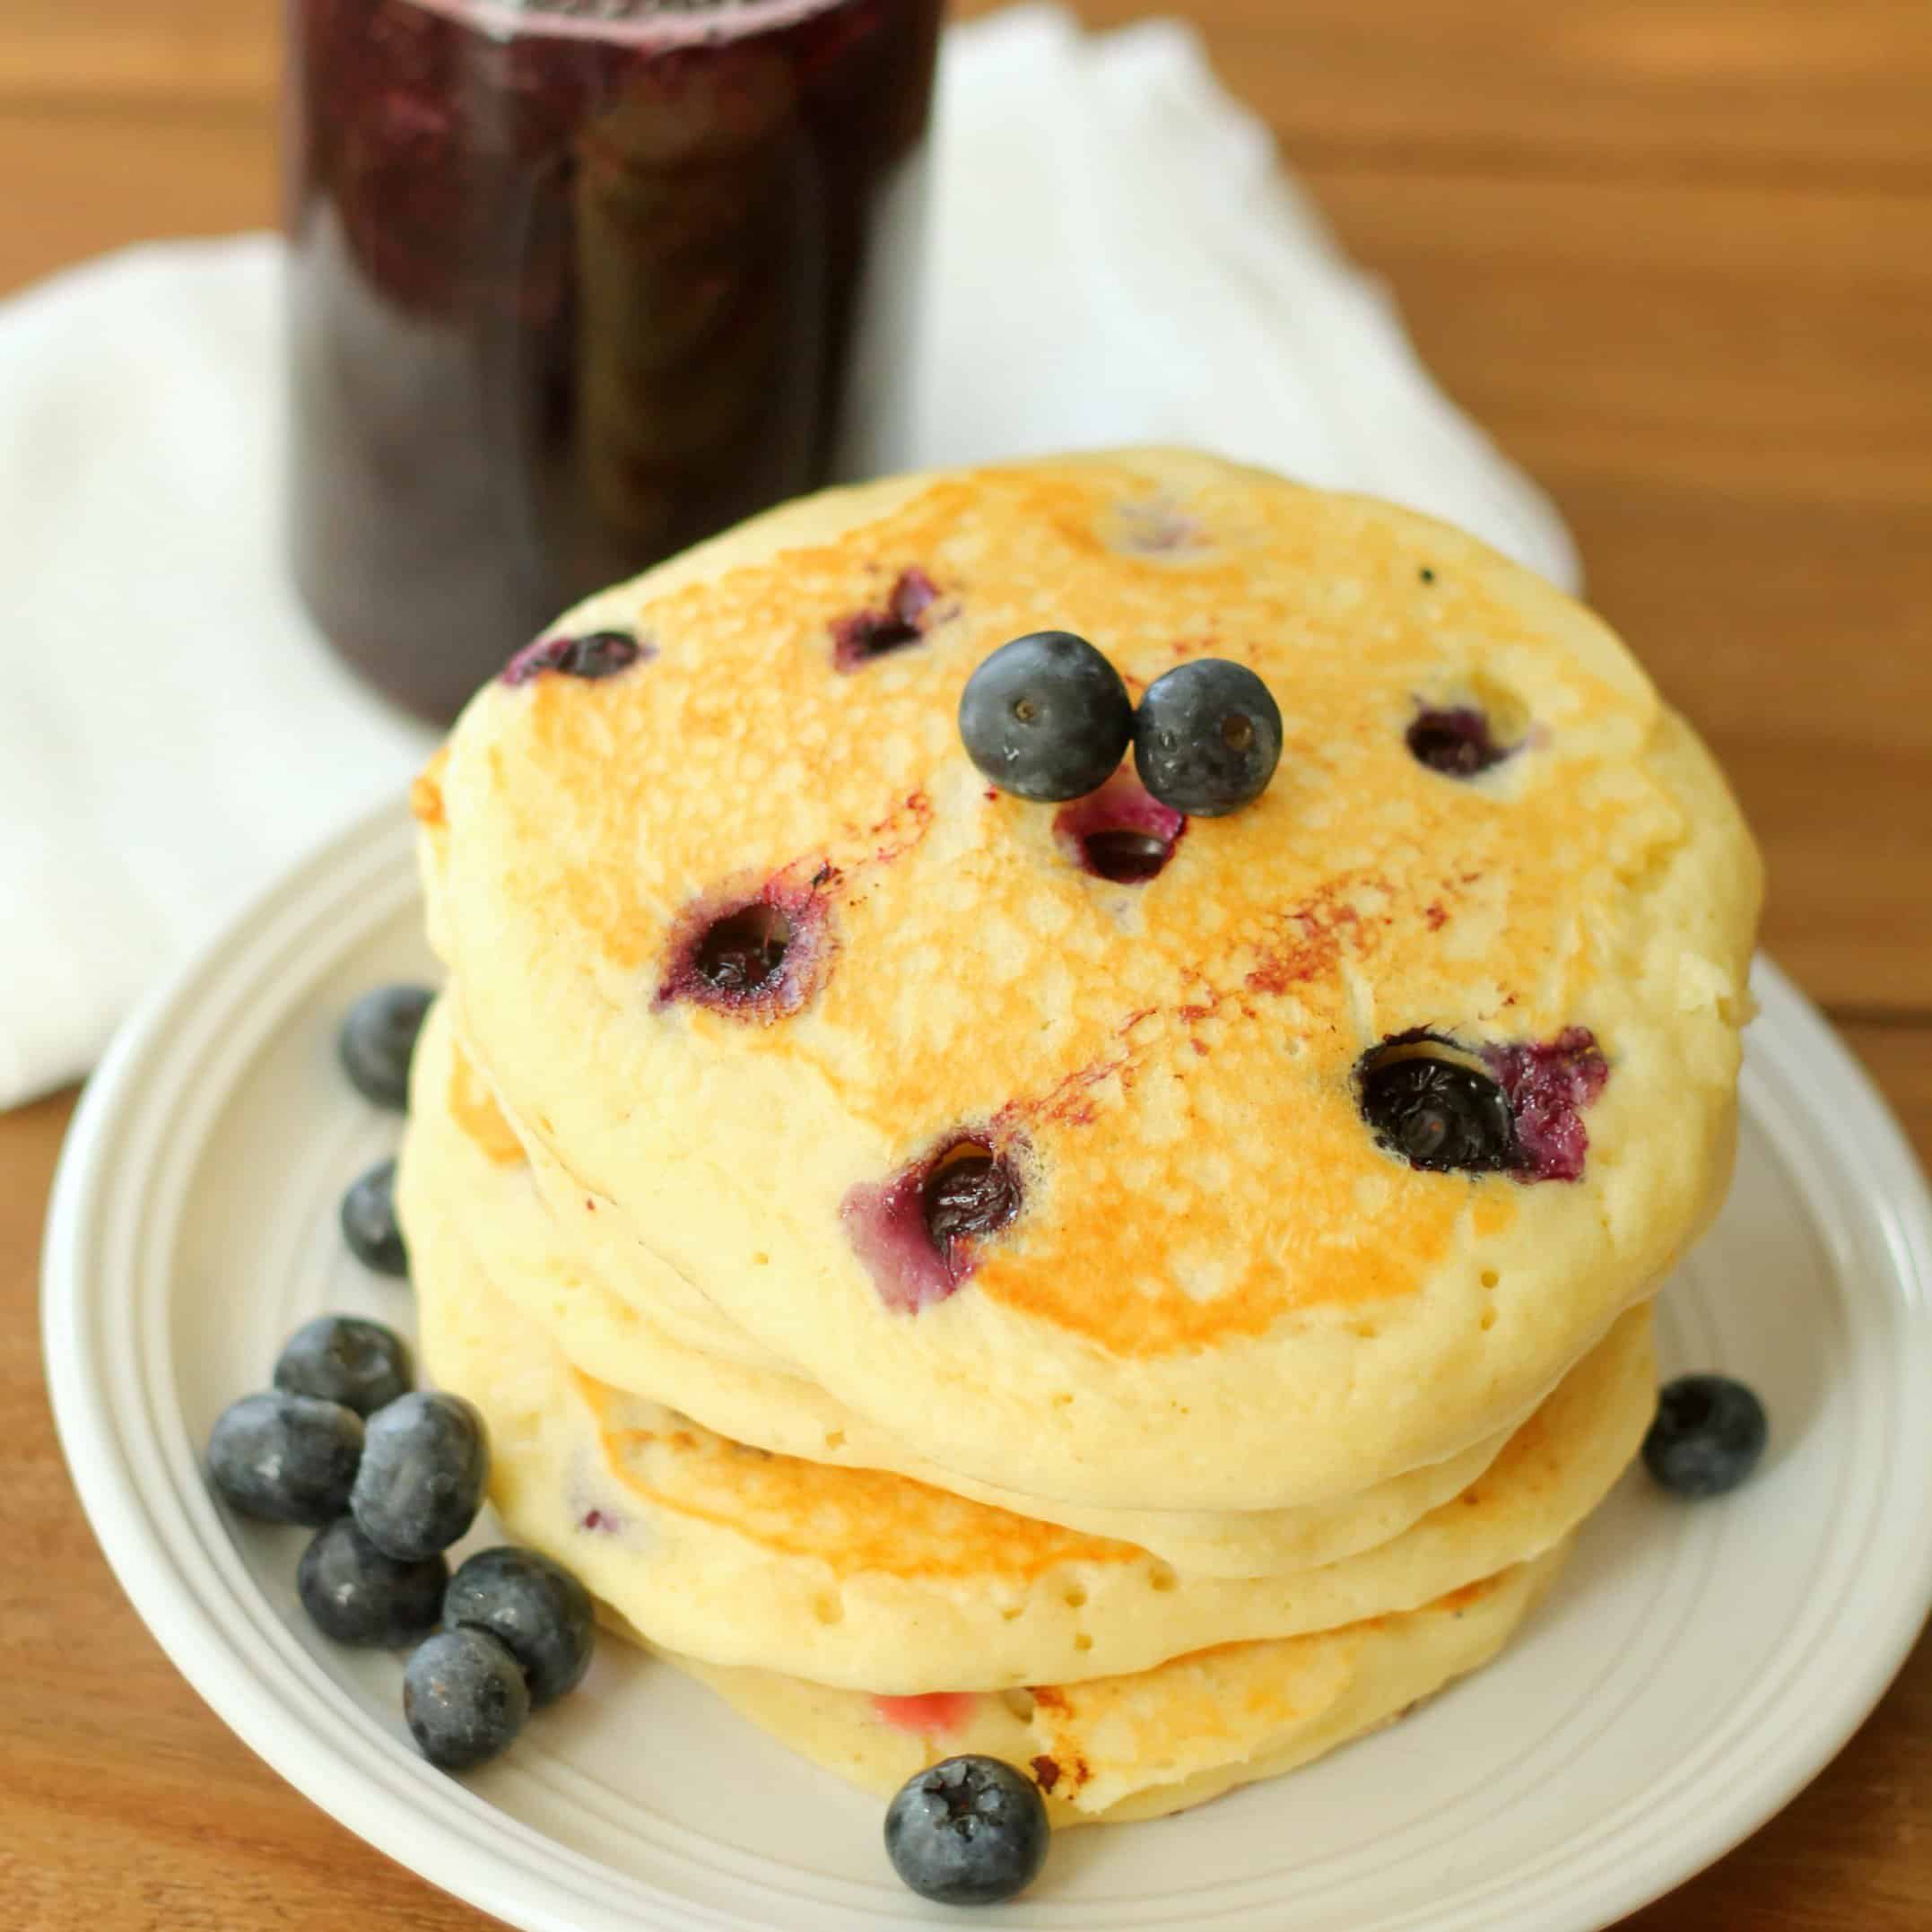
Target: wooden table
[[1675, 253]]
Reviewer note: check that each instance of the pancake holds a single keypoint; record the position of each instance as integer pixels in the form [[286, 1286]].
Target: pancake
[[464, 1163], [1219, 1292], [1116, 1749], [870, 1581]]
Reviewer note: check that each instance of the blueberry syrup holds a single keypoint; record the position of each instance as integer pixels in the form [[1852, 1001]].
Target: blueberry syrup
[[864, 635], [1120, 833], [575, 284], [1455, 741], [759, 956], [919, 1233], [599, 654]]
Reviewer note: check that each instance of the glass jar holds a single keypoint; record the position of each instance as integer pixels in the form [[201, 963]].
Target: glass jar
[[575, 284]]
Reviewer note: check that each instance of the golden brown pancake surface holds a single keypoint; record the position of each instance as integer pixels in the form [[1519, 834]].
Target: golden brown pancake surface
[[1219, 1292]]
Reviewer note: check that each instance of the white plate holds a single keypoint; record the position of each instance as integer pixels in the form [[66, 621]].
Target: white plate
[[1698, 1665]]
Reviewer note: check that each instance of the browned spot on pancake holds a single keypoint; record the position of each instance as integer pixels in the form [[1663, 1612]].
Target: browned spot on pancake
[[1310, 941], [1049, 1697], [426, 790], [1046, 1772], [1094, 1290], [1457, 1601], [1438, 916], [853, 1519], [1071, 1102], [473, 1109]]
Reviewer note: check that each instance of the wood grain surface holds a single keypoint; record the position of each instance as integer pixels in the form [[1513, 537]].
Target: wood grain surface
[[1676, 255]]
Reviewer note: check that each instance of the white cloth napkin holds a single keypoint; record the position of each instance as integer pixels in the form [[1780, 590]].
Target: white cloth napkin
[[1117, 258]]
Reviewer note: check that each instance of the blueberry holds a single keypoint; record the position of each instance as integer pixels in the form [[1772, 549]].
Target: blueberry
[[1438, 1114], [534, 1608], [464, 1698], [368, 1221], [975, 1192], [1455, 741], [360, 1364], [354, 1594], [1207, 737], [969, 1831], [1708, 1436], [858, 639], [599, 654], [1046, 717], [744, 952], [424, 1464], [378, 1039], [286, 1458]]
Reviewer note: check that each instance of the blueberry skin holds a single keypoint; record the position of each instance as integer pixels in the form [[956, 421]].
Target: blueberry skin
[[286, 1458], [425, 1461], [1708, 1434], [340, 1358], [969, 1831], [355, 1594], [1046, 717], [464, 1698], [368, 1221], [1207, 737], [539, 1612], [377, 1041]]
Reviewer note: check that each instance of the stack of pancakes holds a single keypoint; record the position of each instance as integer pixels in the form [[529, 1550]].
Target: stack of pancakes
[[1236, 1433]]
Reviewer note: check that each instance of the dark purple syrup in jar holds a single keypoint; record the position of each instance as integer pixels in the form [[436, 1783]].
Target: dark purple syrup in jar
[[576, 283]]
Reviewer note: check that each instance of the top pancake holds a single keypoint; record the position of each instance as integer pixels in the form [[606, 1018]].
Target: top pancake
[[1219, 1292]]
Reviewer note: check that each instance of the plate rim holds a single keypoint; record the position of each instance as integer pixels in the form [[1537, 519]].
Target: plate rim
[[481, 1865]]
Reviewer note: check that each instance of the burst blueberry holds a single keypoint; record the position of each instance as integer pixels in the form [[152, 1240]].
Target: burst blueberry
[[286, 1458], [425, 1462], [972, 1192], [1454, 740], [595, 654], [743, 953], [1708, 1437], [464, 1698], [355, 1594], [369, 1222], [377, 1040], [1046, 717], [341, 1358], [1436, 1113], [534, 1608], [969, 1831], [1207, 737]]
